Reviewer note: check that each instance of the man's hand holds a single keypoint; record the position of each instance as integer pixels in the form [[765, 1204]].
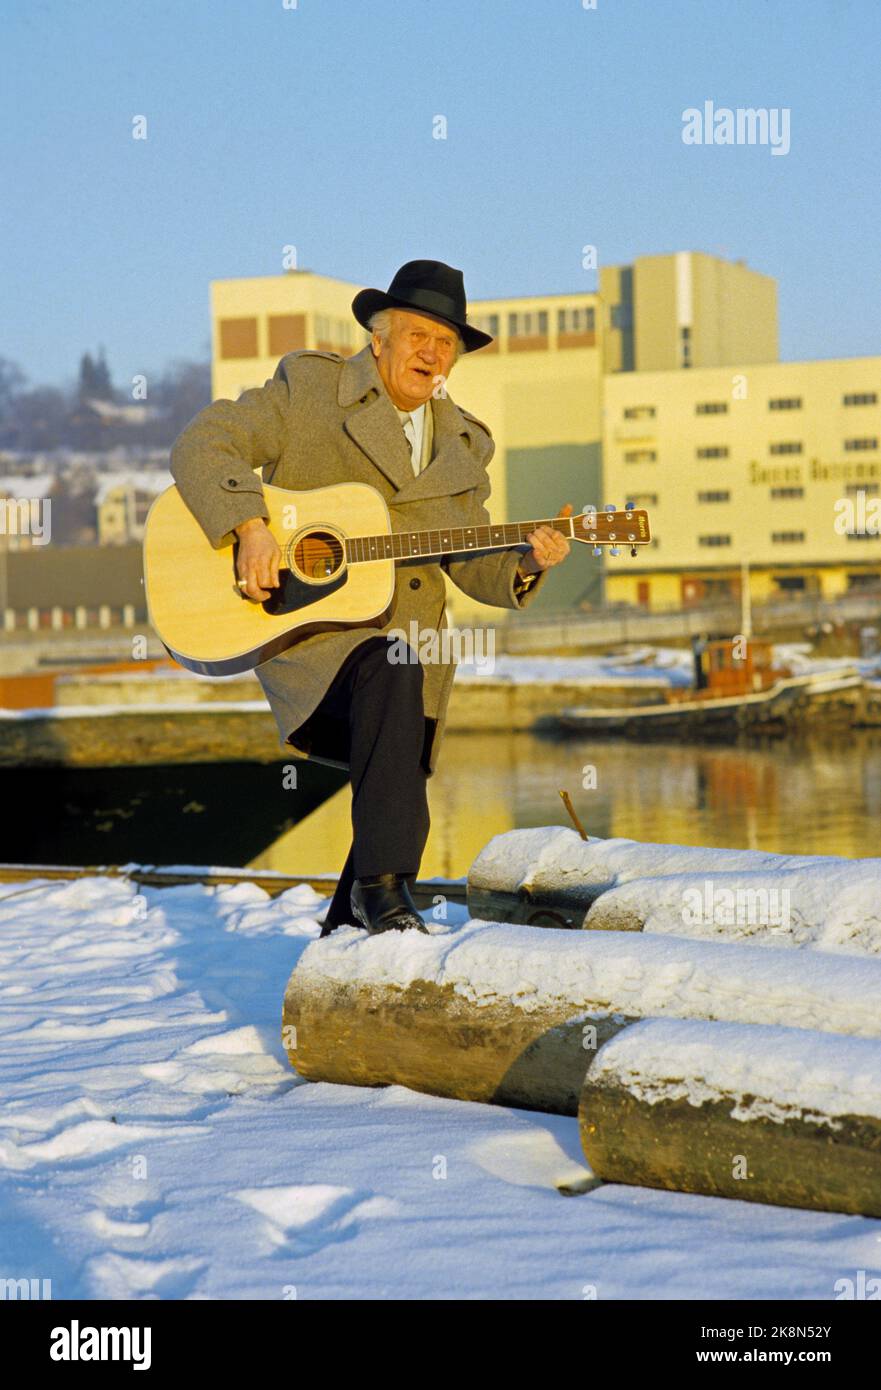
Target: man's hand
[[549, 547], [257, 561]]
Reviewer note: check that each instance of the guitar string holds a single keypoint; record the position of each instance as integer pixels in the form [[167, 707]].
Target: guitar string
[[313, 552]]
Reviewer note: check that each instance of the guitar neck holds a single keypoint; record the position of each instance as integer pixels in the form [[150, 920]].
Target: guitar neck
[[402, 545]]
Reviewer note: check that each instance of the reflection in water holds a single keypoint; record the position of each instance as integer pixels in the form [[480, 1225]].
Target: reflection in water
[[787, 796], [217, 813], [792, 797]]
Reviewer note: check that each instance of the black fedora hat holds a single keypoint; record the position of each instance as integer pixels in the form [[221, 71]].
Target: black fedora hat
[[428, 287]]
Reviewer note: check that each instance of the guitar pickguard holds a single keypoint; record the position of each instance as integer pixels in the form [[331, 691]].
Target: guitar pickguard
[[294, 594]]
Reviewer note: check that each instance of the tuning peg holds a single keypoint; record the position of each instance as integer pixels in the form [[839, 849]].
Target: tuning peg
[[610, 507], [629, 506], [616, 550], [598, 550], [633, 552]]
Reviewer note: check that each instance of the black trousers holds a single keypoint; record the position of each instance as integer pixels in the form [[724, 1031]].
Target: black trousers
[[377, 707]]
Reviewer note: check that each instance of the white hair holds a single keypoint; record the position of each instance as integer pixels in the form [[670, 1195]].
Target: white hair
[[380, 323]]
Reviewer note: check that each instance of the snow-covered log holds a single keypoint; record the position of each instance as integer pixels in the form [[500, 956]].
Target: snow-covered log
[[504, 1013], [550, 877], [836, 907], [778, 1115]]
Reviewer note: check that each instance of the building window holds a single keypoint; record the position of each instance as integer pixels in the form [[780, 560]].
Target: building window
[[487, 323], [576, 320], [330, 333], [785, 403], [787, 537], [854, 489], [719, 496], [238, 338], [528, 324], [711, 408], [287, 333], [642, 499], [527, 330], [853, 446], [861, 535], [787, 447], [639, 412], [861, 398], [713, 451], [622, 317], [783, 494], [713, 540], [640, 456]]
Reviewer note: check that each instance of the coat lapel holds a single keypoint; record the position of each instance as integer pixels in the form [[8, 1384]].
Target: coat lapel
[[453, 467], [376, 429], [374, 426]]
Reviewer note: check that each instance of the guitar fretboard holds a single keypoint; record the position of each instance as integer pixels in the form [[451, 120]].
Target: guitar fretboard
[[401, 545]]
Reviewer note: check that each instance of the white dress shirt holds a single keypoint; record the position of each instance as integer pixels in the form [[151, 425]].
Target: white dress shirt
[[413, 422]]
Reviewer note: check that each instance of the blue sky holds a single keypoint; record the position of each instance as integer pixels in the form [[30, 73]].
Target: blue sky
[[313, 126]]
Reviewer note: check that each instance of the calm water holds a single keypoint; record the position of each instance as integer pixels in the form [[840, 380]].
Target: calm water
[[790, 797]]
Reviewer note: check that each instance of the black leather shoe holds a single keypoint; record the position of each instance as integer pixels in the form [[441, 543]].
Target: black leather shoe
[[383, 903]]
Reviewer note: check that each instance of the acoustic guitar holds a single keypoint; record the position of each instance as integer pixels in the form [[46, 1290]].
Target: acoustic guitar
[[338, 569]]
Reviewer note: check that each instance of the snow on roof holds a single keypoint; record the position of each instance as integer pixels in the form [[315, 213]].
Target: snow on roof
[[151, 481], [24, 488]]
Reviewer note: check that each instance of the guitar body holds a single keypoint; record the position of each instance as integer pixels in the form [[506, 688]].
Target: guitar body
[[337, 569], [205, 622]]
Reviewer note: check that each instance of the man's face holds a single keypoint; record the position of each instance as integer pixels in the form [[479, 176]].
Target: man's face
[[418, 350]]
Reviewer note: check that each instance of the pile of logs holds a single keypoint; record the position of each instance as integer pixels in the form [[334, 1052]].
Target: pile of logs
[[731, 1062]]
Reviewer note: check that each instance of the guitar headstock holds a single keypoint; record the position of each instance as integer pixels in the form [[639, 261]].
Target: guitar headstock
[[599, 526]]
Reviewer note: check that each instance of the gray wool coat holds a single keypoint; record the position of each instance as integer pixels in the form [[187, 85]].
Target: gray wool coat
[[324, 419]]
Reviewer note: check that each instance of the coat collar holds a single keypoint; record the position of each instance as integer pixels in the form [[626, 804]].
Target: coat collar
[[376, 429]]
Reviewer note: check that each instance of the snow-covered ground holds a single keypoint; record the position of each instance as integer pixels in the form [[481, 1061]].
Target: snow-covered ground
[[154, 1141], [628, 666], [638, 665]]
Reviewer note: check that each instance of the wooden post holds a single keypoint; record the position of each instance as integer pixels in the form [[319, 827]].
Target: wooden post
[[778, 1115]]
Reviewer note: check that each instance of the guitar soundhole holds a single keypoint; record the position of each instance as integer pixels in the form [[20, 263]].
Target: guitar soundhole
[[318, 555]]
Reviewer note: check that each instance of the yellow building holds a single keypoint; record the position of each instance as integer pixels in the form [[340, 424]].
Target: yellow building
[[687, 310], [664, 389], [122, 501], [760, 466]]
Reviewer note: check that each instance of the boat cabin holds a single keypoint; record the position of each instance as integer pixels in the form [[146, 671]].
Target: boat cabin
[[737, 666]]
